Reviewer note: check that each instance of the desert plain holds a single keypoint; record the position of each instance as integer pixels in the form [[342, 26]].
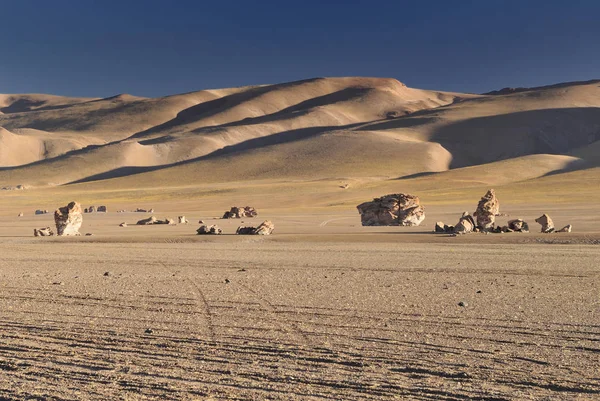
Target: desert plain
[[324, 308]]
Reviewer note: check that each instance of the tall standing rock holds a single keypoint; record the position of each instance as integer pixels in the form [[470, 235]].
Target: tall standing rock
[[392, 210], [546, 222], [487, 210], [68, 219]]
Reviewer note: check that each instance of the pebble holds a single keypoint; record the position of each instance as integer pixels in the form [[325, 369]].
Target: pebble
[[464, 304]]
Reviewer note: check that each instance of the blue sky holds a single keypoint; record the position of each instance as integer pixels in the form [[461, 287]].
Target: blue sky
[[154, 48]]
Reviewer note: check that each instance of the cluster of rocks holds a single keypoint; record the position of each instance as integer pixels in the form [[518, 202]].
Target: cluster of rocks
[[13, 188], [392, 210], [548, 225], [484, 219], [153, 220], [265, 228], [138, 210], [68, 220], [41, 211], [93, 209], [240, 212]]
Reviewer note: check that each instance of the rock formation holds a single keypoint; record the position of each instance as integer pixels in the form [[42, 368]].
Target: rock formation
[[153, 220], [68, 219], [145, 222], [566, 229], [487, 210], [546, 222], [392, 210], [265, 228], [208, 230], [440, 227], [182, 220], [43, 232], [465, 225], [518, 225], [240, 212]]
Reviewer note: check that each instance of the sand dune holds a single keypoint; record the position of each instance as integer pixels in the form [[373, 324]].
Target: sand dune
[[324, 128]]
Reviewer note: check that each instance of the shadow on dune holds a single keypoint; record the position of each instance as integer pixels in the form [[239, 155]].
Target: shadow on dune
[[251, 144], [212, 107], [488, 139]]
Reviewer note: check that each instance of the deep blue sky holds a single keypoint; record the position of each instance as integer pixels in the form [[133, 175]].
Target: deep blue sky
[[153, 48]]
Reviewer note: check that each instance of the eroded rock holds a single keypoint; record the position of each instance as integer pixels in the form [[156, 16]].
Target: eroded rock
[[546, 222], [68, 219], [518, 225], [240, 212], [43, 232], [209, 230], [465, 225], [265, 228], [487, 210], [146, 222], [392, 210]]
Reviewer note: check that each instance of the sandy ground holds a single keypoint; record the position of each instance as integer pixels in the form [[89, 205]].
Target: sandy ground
[[323, 309]]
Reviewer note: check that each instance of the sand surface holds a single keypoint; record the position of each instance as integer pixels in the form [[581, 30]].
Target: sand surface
[[323, 309]]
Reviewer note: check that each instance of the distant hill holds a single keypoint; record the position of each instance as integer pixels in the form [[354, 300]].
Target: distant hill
[[323, 128]]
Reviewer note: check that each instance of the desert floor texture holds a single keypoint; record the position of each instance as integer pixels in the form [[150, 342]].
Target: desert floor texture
[[323, 309]]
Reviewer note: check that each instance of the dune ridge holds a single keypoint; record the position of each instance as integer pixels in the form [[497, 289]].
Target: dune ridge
[[322, 128]]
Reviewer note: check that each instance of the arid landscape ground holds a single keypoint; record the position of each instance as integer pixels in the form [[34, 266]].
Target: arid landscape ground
[[324, 308]]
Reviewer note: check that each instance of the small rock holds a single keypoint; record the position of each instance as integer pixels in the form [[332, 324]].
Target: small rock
[[149, 331], [58, 283], [464, 304], [123, 224], [88, 234], [478, 291], [106, 274], [227, 281]]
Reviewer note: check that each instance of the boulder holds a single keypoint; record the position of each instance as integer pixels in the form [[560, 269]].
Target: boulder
[[487, 210], [518, 225], [91, 209], [240, 212], [209, 230], [86, 210], [43, 232], [566, 229], [245, 230], [265, 228], [145, 222], [546, 222], [102, 209], [440, 227], [68, 219], [465, 225], [392, 210], [182, 220]]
